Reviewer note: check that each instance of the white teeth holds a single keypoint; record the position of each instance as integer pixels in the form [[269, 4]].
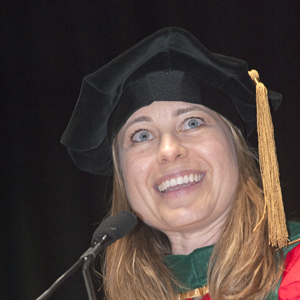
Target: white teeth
[[186, 179], [191, 177], [180, 180], [173, 182]]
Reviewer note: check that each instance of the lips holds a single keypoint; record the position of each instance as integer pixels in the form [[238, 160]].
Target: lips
[[179, 182]]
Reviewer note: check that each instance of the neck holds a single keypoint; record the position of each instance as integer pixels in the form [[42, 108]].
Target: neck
[[184, 243]]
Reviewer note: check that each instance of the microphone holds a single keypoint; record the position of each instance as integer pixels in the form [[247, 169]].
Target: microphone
[[115, 227], [110, 230]]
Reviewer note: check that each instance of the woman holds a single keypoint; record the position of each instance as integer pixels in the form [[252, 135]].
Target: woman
[[175, 117]]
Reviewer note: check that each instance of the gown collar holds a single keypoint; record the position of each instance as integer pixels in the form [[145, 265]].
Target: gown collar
[[191, 270]]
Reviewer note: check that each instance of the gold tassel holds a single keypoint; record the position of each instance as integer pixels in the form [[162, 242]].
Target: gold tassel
[[278, 235]]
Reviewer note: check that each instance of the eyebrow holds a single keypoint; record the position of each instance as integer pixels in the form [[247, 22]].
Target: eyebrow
[[138, 120], [182, 111]]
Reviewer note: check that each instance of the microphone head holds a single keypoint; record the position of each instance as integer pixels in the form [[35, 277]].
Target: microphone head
[[115, 227]]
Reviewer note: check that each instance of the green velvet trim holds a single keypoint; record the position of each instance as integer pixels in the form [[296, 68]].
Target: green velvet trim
[[294, 234], [190, 269]]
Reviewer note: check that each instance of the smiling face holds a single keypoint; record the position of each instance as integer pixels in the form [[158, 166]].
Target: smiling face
[[179, 166]]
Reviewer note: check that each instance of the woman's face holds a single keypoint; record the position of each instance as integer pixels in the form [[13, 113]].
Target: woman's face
[[179, 165]]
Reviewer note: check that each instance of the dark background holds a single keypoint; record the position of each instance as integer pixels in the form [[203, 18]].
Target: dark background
[[49, 209]]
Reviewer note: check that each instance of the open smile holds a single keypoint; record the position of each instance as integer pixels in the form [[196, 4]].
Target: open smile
[[179, 182]]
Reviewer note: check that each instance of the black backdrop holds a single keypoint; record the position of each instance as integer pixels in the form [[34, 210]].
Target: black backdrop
[[49, 209]]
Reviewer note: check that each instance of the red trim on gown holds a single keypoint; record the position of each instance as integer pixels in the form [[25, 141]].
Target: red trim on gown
[[290, 283]]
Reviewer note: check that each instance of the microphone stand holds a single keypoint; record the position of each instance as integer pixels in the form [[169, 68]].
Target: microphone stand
[[89, 257], [87, 278], [110, 230], [85, 260]]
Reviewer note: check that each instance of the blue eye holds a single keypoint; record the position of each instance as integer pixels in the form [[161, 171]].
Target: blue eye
[[191, 123], [141, 136]]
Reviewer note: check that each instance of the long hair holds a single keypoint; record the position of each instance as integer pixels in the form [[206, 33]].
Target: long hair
[[243, 265]]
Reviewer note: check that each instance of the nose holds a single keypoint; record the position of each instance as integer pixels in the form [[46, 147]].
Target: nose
[[170, 149]]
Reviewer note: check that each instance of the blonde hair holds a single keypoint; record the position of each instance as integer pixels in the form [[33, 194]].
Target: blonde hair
[[242, 266]]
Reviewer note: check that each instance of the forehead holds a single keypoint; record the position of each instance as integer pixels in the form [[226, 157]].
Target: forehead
[[169, 109]]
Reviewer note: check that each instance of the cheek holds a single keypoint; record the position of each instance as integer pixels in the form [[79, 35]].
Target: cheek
[[229, 166], [135, 166], [221, 155], [136, 169], [223, 148]]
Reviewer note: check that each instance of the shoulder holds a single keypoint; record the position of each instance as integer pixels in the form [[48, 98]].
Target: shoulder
[[290, 284]]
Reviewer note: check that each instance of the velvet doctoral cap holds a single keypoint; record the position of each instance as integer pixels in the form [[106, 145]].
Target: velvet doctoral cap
[[169, 65]]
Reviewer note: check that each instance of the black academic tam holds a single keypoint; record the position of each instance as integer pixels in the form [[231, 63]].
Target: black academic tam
[[169, 65]]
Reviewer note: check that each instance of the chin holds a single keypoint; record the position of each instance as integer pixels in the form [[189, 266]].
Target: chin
[[184, 221]]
